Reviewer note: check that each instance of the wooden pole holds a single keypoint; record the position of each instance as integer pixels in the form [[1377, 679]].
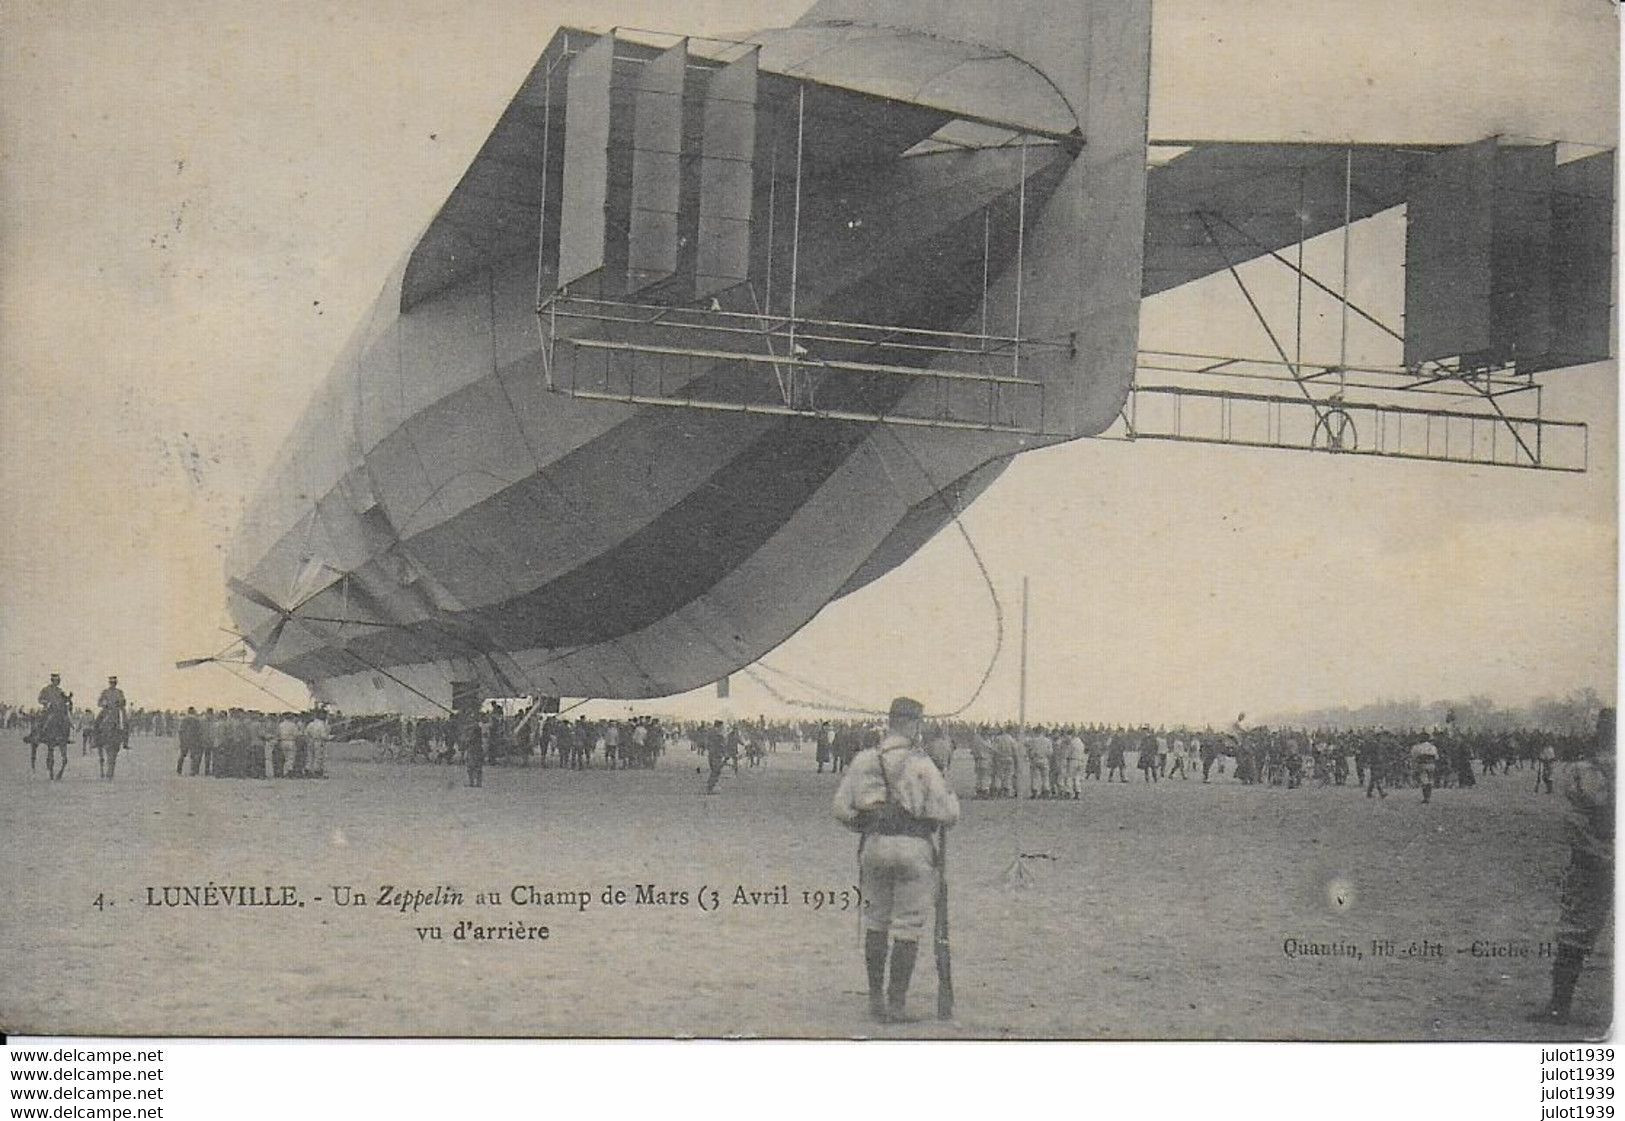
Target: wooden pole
[[1022, 709]]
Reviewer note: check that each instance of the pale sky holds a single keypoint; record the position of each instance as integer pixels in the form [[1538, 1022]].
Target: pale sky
[[198, 200]]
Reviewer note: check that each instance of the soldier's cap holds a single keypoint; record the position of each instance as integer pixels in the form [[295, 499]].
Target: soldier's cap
[[906, 708], [112, 681], [56, 677]]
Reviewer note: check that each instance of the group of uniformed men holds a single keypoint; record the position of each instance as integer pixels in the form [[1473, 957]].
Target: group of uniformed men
[[240, 744]]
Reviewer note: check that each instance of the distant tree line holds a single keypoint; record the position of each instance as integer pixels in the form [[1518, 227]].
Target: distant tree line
[[1572, 714]]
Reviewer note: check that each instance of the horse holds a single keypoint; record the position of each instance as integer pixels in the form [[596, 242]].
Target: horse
[[53, 728], [110, 735]]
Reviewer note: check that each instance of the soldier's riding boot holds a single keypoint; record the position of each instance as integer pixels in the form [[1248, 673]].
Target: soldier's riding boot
[[902, 968], [874, 958]]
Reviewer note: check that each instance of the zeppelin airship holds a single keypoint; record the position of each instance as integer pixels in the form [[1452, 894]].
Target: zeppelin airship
[[714, 332]]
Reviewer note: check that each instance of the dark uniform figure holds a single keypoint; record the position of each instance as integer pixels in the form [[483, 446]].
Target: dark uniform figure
[[1371, 761], [1114, 758], [895, 796], [234, 746], [716, 754], [473, 744], [192, 736], [1588, 883], [112, 726], [112, 700], [53, 727], [655, 744]]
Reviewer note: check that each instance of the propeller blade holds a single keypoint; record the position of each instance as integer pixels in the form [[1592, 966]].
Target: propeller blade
[[263, 653], [188, 663], [257, 597]]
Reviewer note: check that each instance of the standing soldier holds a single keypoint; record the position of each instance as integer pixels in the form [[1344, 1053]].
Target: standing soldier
[[1371, 760], [1005, 752], [981, 755], [715, 742], [1076, 754], [1543, 768], [1060, 783], [285, 751], [473, 742], [1114, 757], [1039, 750], [261, 735], [824, 750], [1209, 752], [640, 745], [214, 730], [656, 743], [897, 799], [1427, 762], [1096, 748], [191, 734], [1147, 761], [312, 743], [1588, 882], [548, 737]]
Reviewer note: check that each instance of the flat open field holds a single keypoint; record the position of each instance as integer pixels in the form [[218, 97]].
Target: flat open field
[[1141, 911]]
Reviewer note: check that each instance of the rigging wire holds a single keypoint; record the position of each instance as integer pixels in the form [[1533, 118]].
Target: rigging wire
[[981, 567], [806, 684], [287, 705]]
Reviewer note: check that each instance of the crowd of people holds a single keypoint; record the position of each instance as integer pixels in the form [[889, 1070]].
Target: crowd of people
[[903, 808], [1056, 761], [1052, 761]]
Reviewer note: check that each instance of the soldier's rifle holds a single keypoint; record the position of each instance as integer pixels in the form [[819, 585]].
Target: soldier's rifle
[[945, 972]]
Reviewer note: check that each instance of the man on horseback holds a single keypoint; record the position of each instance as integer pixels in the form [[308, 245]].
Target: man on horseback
[[112, 726], [53, 727]]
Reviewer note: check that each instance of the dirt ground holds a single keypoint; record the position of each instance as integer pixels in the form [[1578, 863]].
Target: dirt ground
[[1137, 912]]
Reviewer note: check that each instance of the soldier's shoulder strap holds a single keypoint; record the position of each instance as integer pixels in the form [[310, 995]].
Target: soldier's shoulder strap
[[880, 761]]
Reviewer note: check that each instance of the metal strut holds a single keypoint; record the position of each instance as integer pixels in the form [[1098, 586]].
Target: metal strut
[[1297, 378], [1348, 305], [795, 234]]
